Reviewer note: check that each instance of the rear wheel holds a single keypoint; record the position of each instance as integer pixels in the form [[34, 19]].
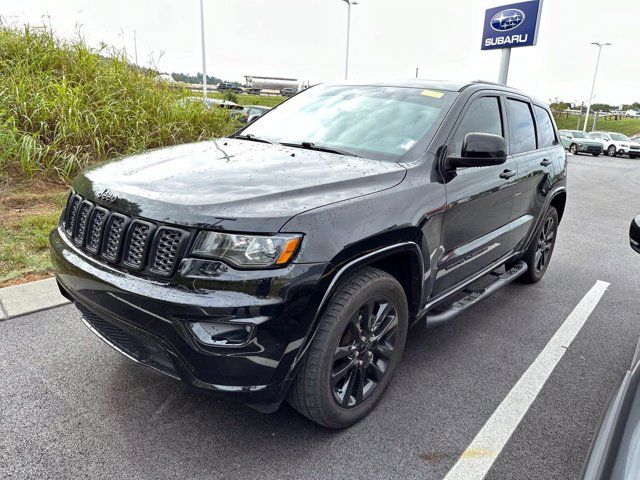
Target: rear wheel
[[611, 151], [538, 255], [359, 343]]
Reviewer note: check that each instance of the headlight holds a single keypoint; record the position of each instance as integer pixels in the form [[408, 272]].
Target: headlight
[[247, 250]]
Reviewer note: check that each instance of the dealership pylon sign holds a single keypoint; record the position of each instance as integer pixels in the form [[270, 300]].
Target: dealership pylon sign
[[509, 26], [514, 25]]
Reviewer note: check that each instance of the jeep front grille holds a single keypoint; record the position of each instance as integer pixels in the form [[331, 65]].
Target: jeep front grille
[[134, 244]]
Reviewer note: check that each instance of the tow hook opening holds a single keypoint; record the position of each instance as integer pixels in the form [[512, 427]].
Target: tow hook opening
[[219, 334]]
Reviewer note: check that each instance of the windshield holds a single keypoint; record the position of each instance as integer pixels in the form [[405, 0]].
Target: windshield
[[619, 136], [579, 134], [375, 122]]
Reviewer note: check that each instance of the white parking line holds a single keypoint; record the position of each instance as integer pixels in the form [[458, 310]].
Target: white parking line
[[477, 459]]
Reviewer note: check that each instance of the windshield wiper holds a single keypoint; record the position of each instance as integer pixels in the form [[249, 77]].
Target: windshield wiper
[[320, 148], [253, 138]]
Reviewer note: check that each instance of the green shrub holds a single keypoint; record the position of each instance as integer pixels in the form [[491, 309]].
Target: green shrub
[[64, 105], [230, 96]]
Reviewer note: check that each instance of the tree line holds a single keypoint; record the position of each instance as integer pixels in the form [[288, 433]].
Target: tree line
[[187, 78], [558, 106]]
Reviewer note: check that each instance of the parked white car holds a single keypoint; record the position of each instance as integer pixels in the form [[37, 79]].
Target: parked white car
[[617, 144]]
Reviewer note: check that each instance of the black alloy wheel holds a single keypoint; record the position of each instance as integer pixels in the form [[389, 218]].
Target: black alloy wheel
[[546, 240], [540, 249], [353, 356], [364, 352], [573, 149]]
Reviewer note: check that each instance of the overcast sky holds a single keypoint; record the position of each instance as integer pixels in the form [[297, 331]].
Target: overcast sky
[[305, 39]]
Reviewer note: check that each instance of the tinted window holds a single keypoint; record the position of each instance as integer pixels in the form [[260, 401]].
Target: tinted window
[[483, 116], [546, 135], [521, 129]]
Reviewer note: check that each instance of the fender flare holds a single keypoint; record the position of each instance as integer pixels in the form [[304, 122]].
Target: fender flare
[[341, 273], [556, 191]]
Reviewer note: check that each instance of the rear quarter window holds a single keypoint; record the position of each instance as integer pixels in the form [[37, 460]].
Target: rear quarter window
[[546, 133]]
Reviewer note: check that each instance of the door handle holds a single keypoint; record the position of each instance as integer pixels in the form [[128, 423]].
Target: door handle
[[545, 162], [507, 174]]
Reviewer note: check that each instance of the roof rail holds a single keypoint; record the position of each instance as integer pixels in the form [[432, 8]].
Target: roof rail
[[490, 83]]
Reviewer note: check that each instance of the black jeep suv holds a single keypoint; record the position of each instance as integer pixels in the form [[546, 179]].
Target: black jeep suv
[[289, 259]]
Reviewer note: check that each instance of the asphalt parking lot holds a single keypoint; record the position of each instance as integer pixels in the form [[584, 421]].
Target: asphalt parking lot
[[72, 407]]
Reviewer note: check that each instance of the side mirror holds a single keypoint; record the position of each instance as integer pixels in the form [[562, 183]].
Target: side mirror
[[634, 234], [480, 150]]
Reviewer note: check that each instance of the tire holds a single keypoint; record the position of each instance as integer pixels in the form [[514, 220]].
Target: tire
[[573, 149], [313, 392], [611, 151], [534, 274], [633, 157]]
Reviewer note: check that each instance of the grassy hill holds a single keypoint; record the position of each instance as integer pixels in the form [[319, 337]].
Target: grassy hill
[[628, 126], [64, 105]]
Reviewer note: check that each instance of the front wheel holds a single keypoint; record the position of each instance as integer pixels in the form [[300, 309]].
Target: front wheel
[[611, 151], [538, 255], [573, 149], [359, 342]]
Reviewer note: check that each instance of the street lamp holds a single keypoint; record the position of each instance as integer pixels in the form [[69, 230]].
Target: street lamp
[[346, 63], [204, 61], [593, 85]]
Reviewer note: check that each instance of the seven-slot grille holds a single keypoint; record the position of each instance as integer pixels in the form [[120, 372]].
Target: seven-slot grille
[[136, 244]]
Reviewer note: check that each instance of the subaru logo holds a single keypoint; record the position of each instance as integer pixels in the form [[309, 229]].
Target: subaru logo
[[506, 20]]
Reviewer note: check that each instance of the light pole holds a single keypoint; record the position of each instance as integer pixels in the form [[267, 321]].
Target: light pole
[[346, 62], [204, 57], [135, 46], [593, 85]]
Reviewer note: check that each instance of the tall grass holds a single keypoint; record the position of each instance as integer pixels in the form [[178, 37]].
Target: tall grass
[[628, 126], [64, 105]]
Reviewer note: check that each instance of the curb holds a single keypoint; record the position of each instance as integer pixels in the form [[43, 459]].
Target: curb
[[30, 297]]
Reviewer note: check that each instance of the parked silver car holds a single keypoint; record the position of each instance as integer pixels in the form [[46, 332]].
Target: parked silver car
[[577, 141]]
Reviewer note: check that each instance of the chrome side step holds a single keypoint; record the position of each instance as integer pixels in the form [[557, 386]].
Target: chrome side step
[[476, 296]]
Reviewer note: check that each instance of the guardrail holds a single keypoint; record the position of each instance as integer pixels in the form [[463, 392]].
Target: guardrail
[[197, 87]]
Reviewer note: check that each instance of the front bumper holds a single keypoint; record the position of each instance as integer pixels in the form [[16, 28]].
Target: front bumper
[[590, 149], [634, 151], [152, 321]]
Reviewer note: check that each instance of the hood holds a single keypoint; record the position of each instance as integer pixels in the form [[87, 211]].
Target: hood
[[589, 141], [233, 184]]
